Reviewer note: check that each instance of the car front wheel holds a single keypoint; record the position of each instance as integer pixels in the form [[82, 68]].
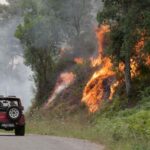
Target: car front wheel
[[20, 131]]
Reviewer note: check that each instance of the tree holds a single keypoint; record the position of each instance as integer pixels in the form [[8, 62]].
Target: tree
[[47, 26], [39, 36], [128, 22]]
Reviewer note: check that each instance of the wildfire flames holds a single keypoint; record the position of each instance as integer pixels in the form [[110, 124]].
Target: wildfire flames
[[64, 80], [103, 83], [148, 60], [101, 86], [140, 46]]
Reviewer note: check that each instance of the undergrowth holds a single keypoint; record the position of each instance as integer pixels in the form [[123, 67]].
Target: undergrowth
[[113, 126]]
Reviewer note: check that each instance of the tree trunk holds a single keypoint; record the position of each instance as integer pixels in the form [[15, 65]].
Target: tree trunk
[[128, 75]]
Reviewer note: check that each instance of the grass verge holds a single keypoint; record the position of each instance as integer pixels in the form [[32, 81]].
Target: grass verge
[[118, 129]]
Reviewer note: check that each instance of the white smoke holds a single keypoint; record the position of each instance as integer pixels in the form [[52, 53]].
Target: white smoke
[[14, 75], [4, 2]]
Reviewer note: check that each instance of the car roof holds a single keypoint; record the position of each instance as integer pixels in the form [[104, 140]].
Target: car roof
[[10, 98]]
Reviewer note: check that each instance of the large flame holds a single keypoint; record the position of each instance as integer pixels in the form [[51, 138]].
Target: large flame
[[103, 83], [101, 86]]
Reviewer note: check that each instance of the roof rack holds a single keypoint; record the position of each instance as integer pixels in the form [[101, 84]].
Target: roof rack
[[11, 96]]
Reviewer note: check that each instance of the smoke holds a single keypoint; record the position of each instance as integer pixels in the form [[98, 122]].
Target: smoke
[[4, 2], [97, 5], [14, 75], [84, 45]]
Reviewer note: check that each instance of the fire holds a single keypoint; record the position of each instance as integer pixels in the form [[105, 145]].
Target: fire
[[121, 67], [101, 86], [134, 67], [79, 60], [100, 34], [148, 60], [103, 83], [65, 79], [138, 47], [113, 89], [96, 61]]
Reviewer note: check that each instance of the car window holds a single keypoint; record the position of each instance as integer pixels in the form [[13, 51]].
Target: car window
[[8, 103]]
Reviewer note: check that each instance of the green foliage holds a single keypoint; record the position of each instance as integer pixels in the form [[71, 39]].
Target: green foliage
[[40, 41], [127, 129], [47, 26], [145, 93], [129, 21]]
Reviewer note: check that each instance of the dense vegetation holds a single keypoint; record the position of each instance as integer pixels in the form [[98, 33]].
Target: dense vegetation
[[129, 24], [118, 129], [48, 27]]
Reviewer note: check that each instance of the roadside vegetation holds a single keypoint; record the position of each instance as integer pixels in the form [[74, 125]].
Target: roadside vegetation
[[119, 125], [118, 129]]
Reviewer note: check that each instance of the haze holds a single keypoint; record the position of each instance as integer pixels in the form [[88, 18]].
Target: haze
[[14, 75], [4, 2]]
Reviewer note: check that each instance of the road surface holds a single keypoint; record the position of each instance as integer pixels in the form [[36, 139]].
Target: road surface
[[38, 142]]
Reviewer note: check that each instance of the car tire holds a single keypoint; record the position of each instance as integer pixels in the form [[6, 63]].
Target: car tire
[[20, 130]]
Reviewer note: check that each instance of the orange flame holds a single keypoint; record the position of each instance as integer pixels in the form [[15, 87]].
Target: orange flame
[[96, 61], [96, 89], [64, 80], [138, 47], [147, 60], [102, 85], [100, 34]]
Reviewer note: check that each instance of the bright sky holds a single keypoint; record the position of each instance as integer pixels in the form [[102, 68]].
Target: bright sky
[[4, 2]]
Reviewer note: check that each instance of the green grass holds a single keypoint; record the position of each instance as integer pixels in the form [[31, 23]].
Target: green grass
[[117, 129], [117, 133]]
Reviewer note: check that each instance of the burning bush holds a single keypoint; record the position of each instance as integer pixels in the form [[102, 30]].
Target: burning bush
[[104, 82]]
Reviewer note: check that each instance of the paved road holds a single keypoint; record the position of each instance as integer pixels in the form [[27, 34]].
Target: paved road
[[37, 142]]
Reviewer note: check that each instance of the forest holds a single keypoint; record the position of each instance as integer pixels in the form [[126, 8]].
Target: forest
[[91, 68]]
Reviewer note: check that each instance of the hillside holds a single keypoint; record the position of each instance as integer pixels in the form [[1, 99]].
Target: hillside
[[118, 123]]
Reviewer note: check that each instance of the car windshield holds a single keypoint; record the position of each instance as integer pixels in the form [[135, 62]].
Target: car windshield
[[8, 103]]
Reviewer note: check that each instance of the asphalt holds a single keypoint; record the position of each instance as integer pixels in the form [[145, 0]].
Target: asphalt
[[38, 142]]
